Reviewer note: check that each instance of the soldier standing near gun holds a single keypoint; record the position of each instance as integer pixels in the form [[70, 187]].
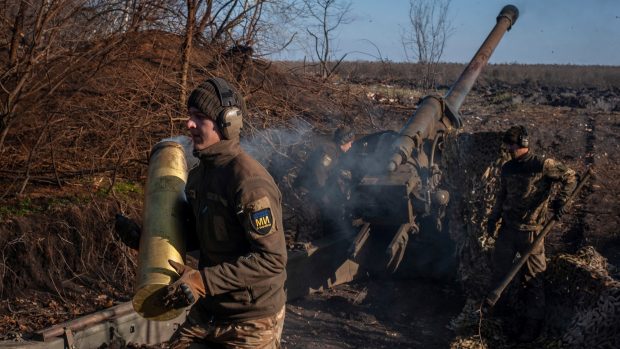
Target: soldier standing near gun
[[238, 288], [318, 170], [521, 206], [323, 178]]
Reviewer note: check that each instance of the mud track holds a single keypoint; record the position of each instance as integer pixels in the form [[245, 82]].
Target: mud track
[[378, 313]]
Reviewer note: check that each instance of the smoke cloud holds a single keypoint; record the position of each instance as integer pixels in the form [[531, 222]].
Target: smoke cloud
[[264, 144], [188, 147]]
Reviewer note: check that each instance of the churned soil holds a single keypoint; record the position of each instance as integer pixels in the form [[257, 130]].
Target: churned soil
[[374, 313]]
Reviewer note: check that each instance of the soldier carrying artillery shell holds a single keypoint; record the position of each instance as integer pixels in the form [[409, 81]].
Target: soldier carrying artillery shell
[[237, 293]]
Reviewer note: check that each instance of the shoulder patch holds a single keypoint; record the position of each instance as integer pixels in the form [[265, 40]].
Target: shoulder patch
[[260, 216], [262, 221]]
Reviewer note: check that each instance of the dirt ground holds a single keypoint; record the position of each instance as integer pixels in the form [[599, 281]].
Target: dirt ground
[[378, 313]]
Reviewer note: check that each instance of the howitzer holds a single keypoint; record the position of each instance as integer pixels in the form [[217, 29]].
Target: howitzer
[[396, 174], [494, 295]]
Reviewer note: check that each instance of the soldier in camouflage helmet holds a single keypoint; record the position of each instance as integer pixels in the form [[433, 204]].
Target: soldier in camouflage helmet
[[521, 209], [237, 291]]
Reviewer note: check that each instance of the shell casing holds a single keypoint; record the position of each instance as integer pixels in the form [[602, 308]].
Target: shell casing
[[163, 228]]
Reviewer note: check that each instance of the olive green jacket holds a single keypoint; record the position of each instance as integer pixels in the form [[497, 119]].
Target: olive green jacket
[[237, 211]]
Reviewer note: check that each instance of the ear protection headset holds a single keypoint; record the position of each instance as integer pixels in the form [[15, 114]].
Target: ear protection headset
[[230, 120], [524, 142]]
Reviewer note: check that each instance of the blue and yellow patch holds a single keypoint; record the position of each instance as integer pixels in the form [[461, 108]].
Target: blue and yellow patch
[[262, 221]]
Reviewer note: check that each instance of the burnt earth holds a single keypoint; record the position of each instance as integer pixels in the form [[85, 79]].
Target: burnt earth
[[378, 313]]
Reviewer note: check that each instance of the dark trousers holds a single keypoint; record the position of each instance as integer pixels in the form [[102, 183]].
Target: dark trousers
[[509, 242]]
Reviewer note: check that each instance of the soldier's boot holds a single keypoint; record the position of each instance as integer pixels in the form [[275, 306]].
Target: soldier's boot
[[530, 331]]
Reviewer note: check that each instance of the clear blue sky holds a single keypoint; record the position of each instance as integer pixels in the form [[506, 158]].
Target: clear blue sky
[[547, 31]]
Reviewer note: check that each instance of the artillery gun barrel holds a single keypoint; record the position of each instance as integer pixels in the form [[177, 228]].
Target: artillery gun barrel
[[426, 121], [506, 18]]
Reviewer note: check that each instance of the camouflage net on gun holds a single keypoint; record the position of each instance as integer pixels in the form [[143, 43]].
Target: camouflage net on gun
[[583, 300], [471, 162]]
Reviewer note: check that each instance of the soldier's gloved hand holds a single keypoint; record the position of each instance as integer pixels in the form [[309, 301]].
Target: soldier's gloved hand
[[187, 289], [559, 208]]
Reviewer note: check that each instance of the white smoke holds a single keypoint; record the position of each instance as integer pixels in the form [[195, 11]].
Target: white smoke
[[262, 145], [188, 148]]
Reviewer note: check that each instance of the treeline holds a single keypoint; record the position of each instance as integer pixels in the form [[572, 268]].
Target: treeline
[[412, 74]]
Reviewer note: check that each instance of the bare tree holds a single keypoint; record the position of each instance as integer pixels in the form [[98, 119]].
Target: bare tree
[[35, 31], [192, 6], [425, 38], [57, 58], [229, 21], [327, 16], [55, 47], [52, 41], [275, 32], [220, 25]]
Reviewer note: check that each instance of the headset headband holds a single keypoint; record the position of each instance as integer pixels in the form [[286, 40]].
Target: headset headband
[[224, 93]]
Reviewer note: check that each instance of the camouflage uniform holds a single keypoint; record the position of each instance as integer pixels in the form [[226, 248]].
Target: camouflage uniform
[[238, 220], [526, 184], [323, 174], [322, 178], [259, 333], [317, 170]]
